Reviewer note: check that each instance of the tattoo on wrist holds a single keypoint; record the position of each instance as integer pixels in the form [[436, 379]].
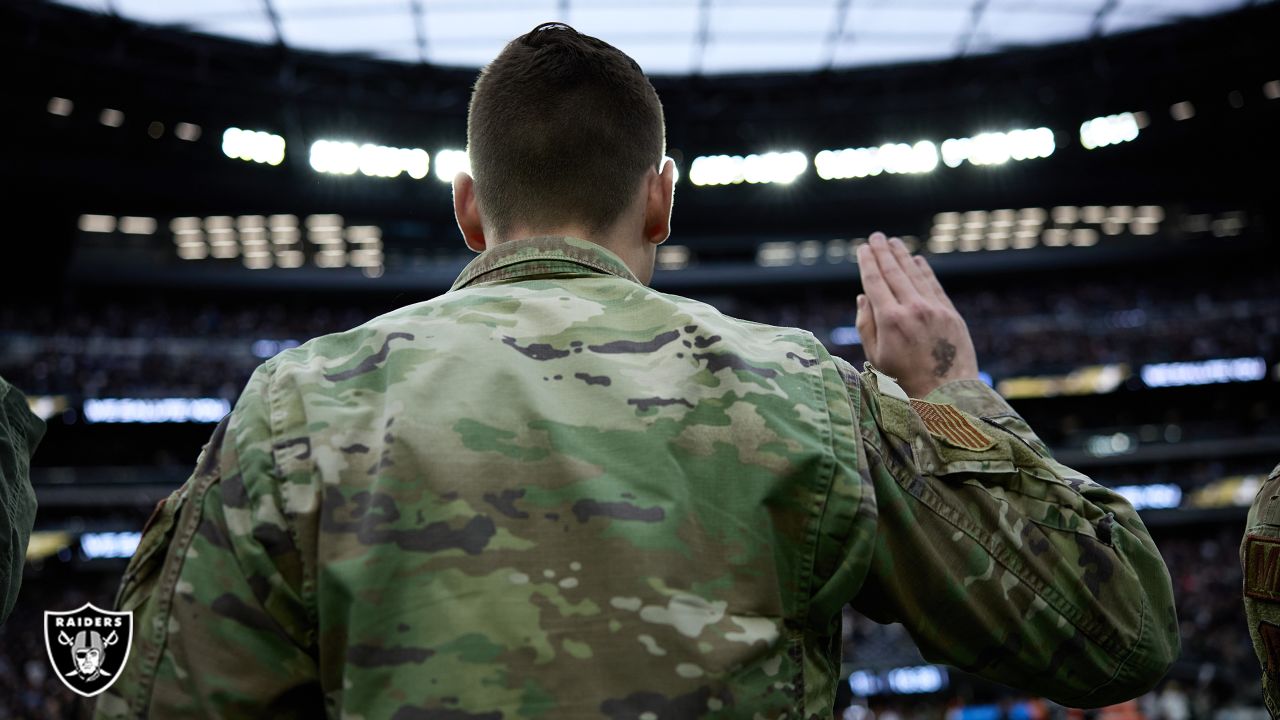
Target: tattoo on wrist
[[944, 355]]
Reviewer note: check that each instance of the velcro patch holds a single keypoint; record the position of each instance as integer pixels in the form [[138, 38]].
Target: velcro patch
[[1270, 634], [947, 423], [1262, 567]]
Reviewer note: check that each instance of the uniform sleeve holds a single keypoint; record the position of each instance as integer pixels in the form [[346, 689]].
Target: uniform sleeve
[[1002, 562], [1260, 561], [20, 432], [216, 587]]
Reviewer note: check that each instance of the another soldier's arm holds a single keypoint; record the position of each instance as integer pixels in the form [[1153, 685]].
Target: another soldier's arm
[[216, 587], [996, 558], [1260, 560], [20, 432]]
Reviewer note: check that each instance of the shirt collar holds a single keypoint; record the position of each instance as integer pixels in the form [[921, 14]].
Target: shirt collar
[[541, 256]]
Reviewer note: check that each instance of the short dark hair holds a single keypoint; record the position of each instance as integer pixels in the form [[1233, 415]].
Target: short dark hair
[[561, 127]]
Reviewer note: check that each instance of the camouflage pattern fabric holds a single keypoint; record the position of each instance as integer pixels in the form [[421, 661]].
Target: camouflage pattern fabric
[[554, 492], [1260, 560], [20, 433]]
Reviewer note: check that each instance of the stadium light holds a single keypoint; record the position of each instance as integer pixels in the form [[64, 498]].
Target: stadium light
[[253, 146], [97, 223], [347, 158], [190, 132], [892, 158], [451, 162], [999, 147], [111, 117], [1109, 130], [1182, 111], [772, 167], [60, 106]]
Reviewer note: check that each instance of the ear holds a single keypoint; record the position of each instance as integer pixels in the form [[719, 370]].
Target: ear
[[660, 188], [467, 212]]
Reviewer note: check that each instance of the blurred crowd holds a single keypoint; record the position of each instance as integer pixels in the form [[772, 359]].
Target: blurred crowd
[[171, 347], [1216, 677]]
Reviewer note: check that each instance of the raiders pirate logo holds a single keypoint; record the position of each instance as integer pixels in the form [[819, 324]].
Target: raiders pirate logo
[[88, 647]]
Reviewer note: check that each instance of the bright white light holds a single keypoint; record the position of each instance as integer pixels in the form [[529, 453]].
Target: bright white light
[[771, 167], [451, 162], [1204, 372], [157, 410], [1109, 130], [998, 148], [97, 545], [253, 146], [893, 158], [346, 158]]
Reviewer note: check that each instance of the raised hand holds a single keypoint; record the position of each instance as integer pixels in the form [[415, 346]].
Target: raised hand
[[909, 328]]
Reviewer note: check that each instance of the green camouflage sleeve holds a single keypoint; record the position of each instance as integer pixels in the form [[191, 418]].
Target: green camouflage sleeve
[[217, 586], [20, 432], [1002, 562], [1260, 561]]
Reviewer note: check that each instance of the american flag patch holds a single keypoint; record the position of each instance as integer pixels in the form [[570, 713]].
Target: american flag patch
[[947, 423]]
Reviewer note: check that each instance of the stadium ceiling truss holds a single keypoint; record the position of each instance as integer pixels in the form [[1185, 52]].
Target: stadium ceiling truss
[[669, 37]]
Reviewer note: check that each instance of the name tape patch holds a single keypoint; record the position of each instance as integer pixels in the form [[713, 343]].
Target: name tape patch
[[1262, 568], [947, 423]]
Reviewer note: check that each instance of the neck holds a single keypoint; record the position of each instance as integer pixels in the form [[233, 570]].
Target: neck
[[636, 254]]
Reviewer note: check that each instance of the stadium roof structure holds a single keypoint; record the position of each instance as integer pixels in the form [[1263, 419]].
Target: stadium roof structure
[[670, 37]]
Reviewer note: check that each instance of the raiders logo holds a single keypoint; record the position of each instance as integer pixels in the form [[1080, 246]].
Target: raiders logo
[[88, 647]]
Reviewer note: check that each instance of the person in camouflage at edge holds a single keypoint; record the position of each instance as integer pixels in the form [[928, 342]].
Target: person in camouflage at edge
[[1260, 560], [555, 492]]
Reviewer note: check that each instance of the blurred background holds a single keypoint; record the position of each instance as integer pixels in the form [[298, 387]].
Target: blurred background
[[193, 187]]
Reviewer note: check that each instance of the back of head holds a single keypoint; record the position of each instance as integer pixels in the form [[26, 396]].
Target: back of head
[[561, 129]]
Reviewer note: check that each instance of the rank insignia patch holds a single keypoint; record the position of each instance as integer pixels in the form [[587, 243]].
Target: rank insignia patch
[[947, 423], [1262, 568]]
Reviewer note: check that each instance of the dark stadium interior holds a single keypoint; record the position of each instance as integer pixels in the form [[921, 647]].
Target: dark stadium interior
[[1106, 343]]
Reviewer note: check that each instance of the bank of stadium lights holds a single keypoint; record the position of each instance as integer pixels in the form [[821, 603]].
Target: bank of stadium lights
[[998, 148], [253, 146], [892, 158], [347, 158], [1027, 227], [772, 167], [1110, 130], [265, 241]]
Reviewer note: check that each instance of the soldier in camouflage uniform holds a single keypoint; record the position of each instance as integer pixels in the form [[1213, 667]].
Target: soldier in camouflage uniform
[[555, 492], [1260, 559], [20, 433]]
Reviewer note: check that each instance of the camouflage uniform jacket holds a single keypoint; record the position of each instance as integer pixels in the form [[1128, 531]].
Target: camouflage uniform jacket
[[20, 432], [554, 492], [1260, 559]]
